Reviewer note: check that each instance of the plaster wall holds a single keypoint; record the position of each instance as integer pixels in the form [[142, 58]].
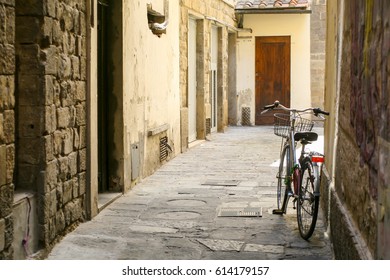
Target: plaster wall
[[295, 25], [150, 84]]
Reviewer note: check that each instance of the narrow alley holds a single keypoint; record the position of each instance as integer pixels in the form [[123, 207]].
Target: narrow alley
[[177, 213]]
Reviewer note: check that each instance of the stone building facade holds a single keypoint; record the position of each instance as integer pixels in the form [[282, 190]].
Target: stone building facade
[[357, 139], [317, 52], [213, 19], [7, 124], [43, 88]]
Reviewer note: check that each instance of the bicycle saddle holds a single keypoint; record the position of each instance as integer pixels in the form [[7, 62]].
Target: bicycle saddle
[[305, 136]]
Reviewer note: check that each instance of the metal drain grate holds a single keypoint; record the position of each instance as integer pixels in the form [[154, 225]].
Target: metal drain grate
[[163, 148], [241, 212], [227, 183]]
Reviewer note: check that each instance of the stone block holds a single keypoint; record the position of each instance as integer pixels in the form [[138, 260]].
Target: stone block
[[48, 142], [51, 173], [2, 136], [57, 142], [30, 121], [2, 234], [27, 175], [64, 173], [82, 179], [83, 68], [7, 92], [50, 8], [29, 29], [7, 59], [67, 91], [76, 139], [82, 160], [63, 116], [67, 141], [6, 200], [52, 202], [75, 67], [30, 7], [67, 18], [29, 90], [3, 168], [75, 187], [29, 151], [83, 136], [9, 126], [51, 61], [29, 59], [67, 188], [81, 114], [73, 163], [81, 90], [68, 43], [50, 119], [64, 67], [57, 33], [60, 221]]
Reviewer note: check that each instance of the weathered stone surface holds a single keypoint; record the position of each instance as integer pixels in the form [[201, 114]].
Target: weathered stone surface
[[63, 117], [7, 92], [51, 61], [10, 163], [9, 126], [28, 30], [7, 59], [28, 56], [32, 117], [3, 168], [2, 234], [29, 90]]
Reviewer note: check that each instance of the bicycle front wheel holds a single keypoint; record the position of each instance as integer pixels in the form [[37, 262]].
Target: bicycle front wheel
[[284, 179], [308, 201]]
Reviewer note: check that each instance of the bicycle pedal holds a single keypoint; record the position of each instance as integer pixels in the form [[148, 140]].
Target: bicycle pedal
[[277, 212]]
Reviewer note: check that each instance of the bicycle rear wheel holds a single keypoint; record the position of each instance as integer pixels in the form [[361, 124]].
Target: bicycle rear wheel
[[284, 179], [308, 202]]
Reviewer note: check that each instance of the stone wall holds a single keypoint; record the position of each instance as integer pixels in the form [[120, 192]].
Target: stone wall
[[359, 208], [51, 110], [317, 42], [207, 12], [7, 124]]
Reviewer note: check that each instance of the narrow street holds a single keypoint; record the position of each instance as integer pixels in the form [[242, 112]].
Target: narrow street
[[176, 212]]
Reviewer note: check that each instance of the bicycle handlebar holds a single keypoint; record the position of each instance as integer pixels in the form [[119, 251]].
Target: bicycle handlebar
[[277, 104]]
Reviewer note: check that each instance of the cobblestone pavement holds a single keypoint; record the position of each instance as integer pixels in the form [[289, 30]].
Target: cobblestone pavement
[[175, 213]]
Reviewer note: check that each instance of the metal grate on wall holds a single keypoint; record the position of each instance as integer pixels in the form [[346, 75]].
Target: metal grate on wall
[[208, 126], [246, 116], [163, 148]]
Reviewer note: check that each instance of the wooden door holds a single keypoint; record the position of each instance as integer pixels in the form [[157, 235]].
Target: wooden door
[[272, 74]]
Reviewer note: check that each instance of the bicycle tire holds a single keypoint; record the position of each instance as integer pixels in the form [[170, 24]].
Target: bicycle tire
[[308, 201], [283, 178]]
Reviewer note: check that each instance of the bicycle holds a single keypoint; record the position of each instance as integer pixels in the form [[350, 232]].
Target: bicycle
[[303, 172]]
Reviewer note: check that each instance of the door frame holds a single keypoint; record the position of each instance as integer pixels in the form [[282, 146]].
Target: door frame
[[285, 99]]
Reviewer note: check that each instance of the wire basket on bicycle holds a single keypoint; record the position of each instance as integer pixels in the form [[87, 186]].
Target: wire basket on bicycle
[[282, 124]]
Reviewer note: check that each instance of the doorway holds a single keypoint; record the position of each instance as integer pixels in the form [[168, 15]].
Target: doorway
[[110, 98], [192, 112], [213, 78], [272, 74]]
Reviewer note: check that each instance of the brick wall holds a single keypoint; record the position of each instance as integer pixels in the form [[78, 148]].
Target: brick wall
[[7, 124], [51, 98]]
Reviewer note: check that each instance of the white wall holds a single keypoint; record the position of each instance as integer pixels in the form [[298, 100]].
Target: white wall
[[295, 25]]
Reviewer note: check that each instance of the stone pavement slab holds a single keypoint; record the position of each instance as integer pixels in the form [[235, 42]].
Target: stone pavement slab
[[173, 214]]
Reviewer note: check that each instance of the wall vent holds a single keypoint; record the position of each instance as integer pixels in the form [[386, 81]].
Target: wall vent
[[163, 148], [246, 116], [208, 126]]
